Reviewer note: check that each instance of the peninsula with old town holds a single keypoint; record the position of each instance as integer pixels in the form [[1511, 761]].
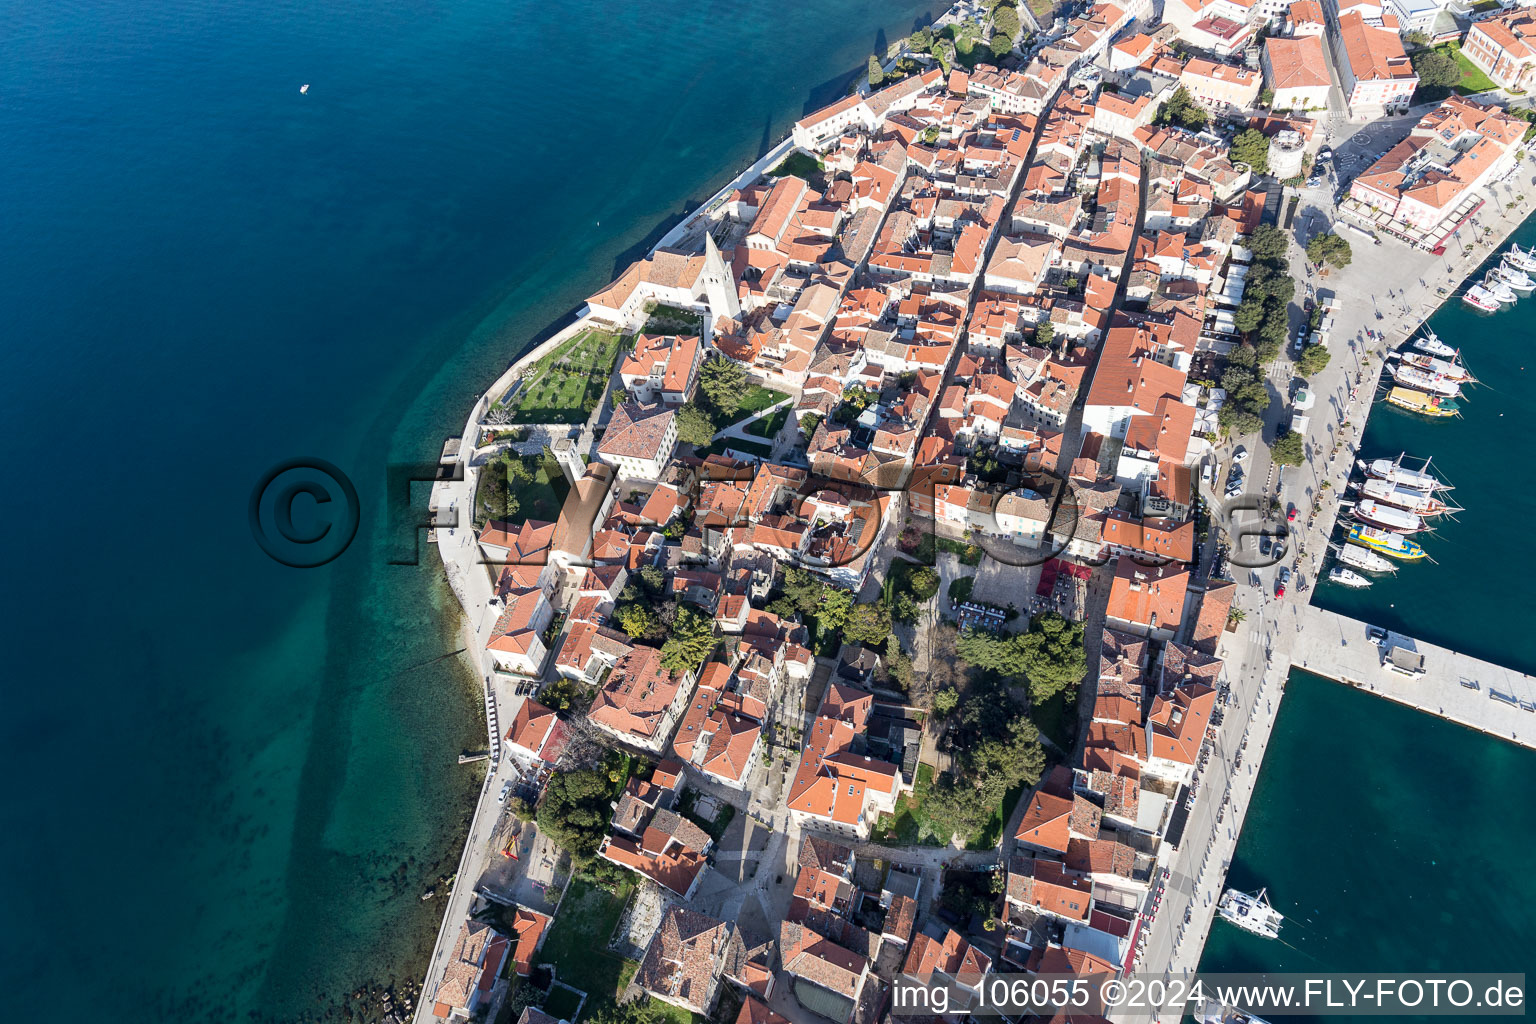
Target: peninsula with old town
[[897, 571]]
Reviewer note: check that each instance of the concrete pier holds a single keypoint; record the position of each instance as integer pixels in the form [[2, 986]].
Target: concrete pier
[[1477, 694]]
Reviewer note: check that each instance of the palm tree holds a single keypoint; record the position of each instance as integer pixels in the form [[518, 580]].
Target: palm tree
[[1234, 617]]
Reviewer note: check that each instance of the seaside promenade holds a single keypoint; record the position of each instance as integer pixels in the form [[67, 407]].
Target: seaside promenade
[[1390, 289]]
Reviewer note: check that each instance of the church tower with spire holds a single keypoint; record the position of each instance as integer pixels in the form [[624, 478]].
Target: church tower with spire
[[719, 285]]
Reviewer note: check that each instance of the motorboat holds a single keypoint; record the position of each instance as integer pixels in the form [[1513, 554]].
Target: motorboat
[[1365, 558], [1498, 289], [1521, 259], [1432, 345], [1479, 297], [1347, 577], [1516, 278], [1411, 499]]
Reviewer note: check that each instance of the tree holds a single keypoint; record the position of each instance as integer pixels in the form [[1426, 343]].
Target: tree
[[1268, 242], [1266, 96], [945, 701], [635, 619], [692, 639], [1438, 72], [723, 383], [1289, 449], [833, 609], [868, 624], [1053, 655], [876, 72], [802, 589], [920, 41], [924, 583], [1000, 44], [1238, 421], [1330, 249], [808, 424], [636, 1011], [1250, 313], [1313, 359], [1182, 111], [574, 812], [1044, 332], [1005, 23], [1252, 148], [1253, 396], [693, 427]]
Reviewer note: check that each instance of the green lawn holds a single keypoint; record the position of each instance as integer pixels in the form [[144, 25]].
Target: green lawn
[[758, 399], [800, 164], [567, 383], [769, 426], [909, 825], [578, 941], [1472, 79]]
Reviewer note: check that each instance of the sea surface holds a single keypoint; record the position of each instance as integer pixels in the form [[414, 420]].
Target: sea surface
[[1392, 839], [1473, 597], [229, 781]]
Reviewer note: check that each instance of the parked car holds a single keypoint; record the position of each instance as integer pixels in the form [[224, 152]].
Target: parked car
[[1290, 516], [1239, 454]]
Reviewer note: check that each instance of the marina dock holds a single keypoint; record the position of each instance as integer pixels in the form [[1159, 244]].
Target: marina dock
[[1477, 694]]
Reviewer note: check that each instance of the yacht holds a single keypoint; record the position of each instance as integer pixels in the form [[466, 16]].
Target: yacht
[[1393, 471], [1251, 912], [1398, 520], [1423, 380], [1478, 298], [1411, 499], [1348, 577], [1450, 369]]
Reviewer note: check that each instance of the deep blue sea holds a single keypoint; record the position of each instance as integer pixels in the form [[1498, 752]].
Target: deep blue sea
[[228, 781]]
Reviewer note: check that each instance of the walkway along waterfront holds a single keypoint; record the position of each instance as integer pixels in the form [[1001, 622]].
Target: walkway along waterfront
[[1391, 290]]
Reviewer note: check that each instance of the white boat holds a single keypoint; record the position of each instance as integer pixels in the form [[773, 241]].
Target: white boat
[[1433, 345], [1521, 259], [303, 88], [1479, 298], [1432, 383], [1251, 912], [1516, 278], [1365, 558], [1348, 577], [1498, 289], [1411, 499], [1393, 470], [1450, 369], [1398, 520]]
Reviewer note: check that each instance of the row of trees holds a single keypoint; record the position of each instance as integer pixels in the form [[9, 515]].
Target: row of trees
[[1264, 318]]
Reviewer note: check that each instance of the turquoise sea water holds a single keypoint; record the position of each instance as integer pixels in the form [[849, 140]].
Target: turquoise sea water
[[1392, 840], [1473, 596], [229, 781]]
